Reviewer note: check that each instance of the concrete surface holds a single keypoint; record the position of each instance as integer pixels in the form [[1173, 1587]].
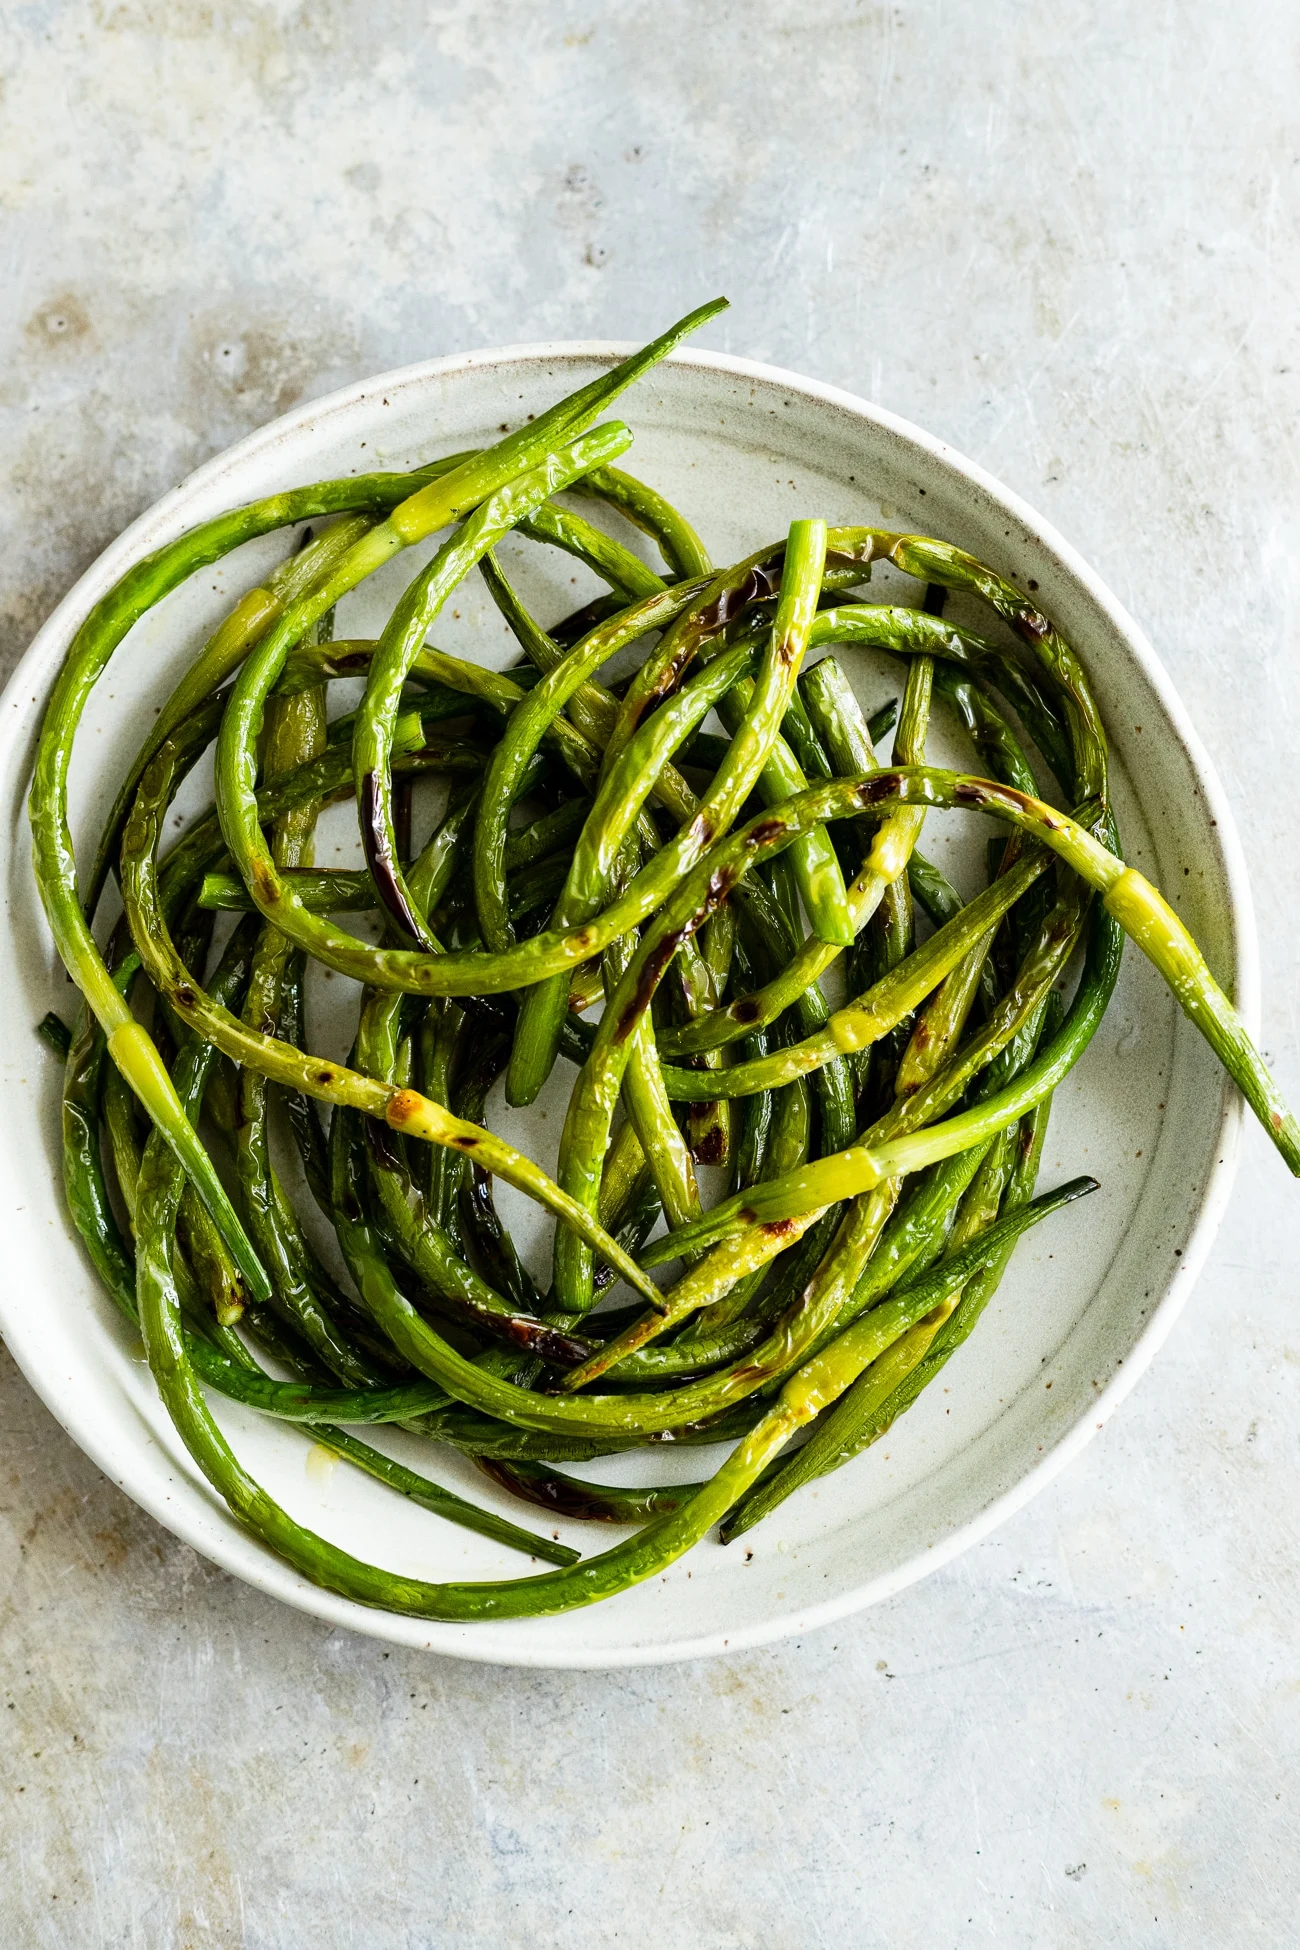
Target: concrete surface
[[1064, 237]]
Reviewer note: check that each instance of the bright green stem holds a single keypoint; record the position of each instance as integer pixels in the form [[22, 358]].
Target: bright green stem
[[442, 1502], [404, 1110], [587, 1125], [875, 1013], [817, 870], [896, 1377], [623, 791], [712, 1277]]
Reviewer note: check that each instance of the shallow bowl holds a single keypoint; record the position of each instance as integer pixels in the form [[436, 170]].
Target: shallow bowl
[[741, 448]]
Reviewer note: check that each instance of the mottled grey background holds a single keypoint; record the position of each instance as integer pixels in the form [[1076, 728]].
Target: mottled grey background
[[1062, 236]]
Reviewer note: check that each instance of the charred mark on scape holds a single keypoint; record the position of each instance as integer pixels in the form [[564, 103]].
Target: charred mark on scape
[[648, 981], [720, 885], [881, 785], [404, 1107], [980, 792], [761, 580], [384, 1147], [748, 1010], [380, 860], [1033, 625], [565, 1498], [562, 1350], [665, 682], [711, 1148], [861, 554]]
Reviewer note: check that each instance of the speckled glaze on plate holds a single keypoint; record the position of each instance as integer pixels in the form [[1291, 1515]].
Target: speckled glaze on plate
[[741, 448]]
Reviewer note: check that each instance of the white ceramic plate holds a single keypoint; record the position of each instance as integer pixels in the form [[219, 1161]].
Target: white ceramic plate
[[742, 449]]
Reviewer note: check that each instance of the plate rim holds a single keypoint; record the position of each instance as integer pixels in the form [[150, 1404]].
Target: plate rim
[[236, 1550]]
